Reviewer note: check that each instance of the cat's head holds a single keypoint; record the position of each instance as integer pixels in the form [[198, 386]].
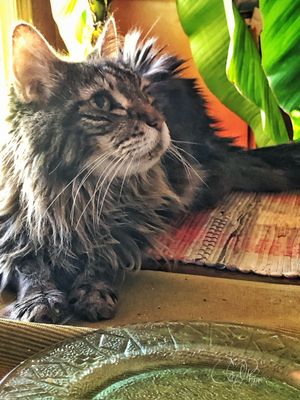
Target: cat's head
[[98, 112]]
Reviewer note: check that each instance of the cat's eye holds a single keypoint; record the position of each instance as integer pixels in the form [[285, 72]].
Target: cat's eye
[[102, 101]]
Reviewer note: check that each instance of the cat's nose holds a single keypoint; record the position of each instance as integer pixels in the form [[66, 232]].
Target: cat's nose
[[147, 115], [148, 119]]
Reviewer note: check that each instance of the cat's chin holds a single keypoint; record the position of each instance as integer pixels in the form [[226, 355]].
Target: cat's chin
[[145, 160]]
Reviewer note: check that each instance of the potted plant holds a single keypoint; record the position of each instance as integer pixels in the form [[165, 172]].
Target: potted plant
[[253, 85]]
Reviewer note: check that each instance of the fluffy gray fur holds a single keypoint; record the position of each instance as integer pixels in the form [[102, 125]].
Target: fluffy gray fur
[[100, 157], [82, 187]]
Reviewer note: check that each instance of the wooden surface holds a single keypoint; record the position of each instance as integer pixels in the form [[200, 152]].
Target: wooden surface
[[160, 296]]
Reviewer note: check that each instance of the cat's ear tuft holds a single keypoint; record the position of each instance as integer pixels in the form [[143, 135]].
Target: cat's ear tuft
[[34, 64], [108, 43]]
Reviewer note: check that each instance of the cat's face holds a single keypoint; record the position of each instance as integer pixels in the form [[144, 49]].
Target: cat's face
[[112, 118], [118, 114]]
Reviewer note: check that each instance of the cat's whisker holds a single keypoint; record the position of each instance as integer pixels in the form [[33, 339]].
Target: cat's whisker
[[95, 191], [187, 153], [78, 187], [186, 142], [178, 157], [66, 187], [101, 182], [97, 164], [55, 168], [92, 197], [152, 27], [121, 162], [125, 174], [98, 186], [190, 166], [98, 189]]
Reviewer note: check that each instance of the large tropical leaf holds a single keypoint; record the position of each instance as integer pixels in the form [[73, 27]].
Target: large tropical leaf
[[205, 23], [245, 71], [280, 42], [74, 19]]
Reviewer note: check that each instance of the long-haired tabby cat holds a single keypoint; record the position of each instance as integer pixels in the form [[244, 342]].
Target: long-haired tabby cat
[[100, 156]]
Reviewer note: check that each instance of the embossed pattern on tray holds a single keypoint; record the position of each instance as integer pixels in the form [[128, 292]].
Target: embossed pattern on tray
[[123, 363]]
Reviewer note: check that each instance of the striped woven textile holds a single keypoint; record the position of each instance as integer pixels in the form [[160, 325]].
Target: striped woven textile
[[247, 232]]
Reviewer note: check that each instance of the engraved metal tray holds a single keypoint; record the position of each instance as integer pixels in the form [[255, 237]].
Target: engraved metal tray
[[170, 361]]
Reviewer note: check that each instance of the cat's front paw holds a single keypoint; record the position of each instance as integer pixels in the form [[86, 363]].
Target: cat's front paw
[[93, 300], [47, 307]]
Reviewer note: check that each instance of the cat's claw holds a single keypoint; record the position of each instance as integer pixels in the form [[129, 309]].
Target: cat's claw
[[46, 307], [93, 300]]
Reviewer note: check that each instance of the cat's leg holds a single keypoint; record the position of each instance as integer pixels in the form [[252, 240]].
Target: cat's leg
[[94, 297], [38, 299]]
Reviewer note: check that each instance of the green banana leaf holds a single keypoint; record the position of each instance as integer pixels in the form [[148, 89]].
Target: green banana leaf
[[205, 23], [245, 71], [79, 23], [280, 42], [74, 19], [100, 10]]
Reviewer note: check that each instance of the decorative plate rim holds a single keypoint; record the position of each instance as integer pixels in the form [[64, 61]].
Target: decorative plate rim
[[236, 342]]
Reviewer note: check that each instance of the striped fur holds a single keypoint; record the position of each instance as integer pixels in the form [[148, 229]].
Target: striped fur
[[100, 156]]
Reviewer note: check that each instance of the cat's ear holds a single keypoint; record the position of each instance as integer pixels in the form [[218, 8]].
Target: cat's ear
[[108, 43], [34, 64]]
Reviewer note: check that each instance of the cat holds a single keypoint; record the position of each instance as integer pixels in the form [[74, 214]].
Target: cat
[[100, 157]]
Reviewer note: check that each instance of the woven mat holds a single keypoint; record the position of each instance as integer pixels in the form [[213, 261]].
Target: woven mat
[[256, 233]]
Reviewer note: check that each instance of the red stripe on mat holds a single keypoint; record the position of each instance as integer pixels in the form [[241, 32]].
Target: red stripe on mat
[[247, 232]]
